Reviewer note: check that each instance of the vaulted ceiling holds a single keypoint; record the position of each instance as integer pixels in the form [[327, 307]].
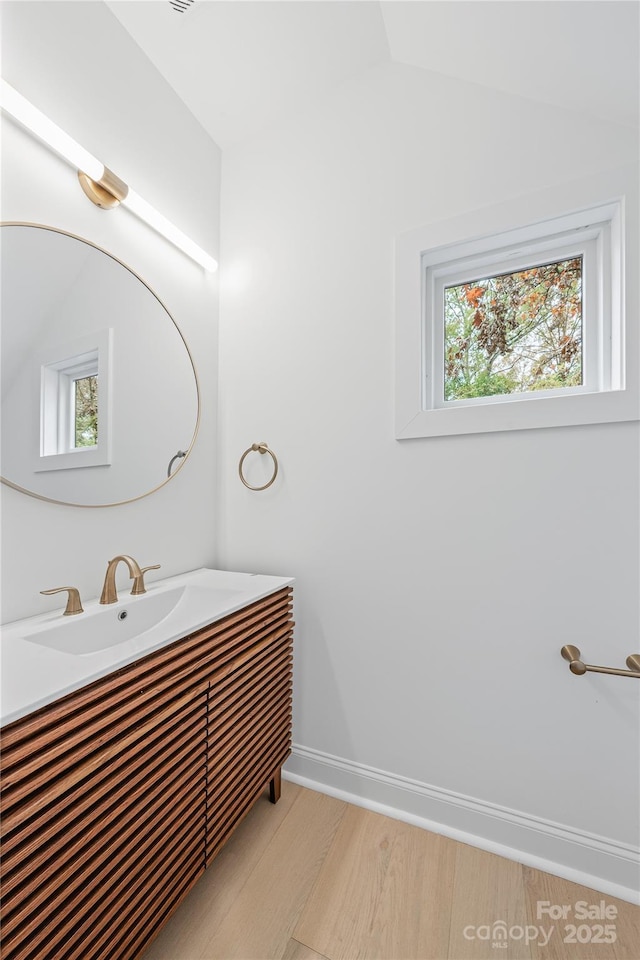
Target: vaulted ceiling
[[239, 65]]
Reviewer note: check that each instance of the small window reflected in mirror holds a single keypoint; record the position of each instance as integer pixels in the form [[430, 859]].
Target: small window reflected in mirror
[[75, 429], [69, 404]]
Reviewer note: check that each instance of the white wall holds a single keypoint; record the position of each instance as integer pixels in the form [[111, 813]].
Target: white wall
[[436, 579], [77, 63]]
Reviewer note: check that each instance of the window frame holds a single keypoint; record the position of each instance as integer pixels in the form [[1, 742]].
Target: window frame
[[600, 212], [583, 242], [56, 372], [57, 433]]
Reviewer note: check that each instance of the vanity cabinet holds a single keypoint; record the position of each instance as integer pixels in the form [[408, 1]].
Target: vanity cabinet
[[116, 797]]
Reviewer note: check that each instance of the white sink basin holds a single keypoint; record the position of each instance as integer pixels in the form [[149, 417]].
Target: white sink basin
[[110, 625], [45, 657]]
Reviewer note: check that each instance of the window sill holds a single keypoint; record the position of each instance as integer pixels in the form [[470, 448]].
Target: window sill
[[525, 414]]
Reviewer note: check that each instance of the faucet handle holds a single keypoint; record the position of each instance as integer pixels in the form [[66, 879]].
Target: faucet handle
[[138, 581], [73, 600]]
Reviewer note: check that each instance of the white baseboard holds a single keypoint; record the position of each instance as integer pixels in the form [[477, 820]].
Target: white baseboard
[[597, 862]]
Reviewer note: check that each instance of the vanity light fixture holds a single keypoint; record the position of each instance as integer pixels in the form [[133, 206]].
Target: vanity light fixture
[[99, 183]]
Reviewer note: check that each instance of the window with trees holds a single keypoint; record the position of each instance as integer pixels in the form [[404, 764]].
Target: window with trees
[[518, 328], [75, 400], [522, 319], [515, 332], [70, 404], [85, 411]]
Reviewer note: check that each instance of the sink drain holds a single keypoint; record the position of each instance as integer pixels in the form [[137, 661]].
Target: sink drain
[[123, 615]]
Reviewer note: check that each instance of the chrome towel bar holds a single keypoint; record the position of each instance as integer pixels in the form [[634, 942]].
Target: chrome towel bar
[[572, 654], [258, 448]]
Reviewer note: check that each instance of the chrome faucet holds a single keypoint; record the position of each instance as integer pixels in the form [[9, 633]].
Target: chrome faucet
[[109, 592]]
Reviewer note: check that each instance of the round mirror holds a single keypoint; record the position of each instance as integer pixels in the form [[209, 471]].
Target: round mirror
[[100, 399]]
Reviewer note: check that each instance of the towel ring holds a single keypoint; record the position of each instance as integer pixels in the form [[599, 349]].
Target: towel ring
[[258, 448]]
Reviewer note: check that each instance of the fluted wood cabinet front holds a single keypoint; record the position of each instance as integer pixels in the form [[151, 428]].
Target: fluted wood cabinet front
[[116, 797], [249, 725]]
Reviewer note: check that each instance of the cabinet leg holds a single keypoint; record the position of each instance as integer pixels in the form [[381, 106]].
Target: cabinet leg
[[275, 785]]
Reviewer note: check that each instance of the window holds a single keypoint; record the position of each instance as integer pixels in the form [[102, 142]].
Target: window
[[517, 328], [516, 320], [70, 404], [85, 410], [515, 332], [74, 404]]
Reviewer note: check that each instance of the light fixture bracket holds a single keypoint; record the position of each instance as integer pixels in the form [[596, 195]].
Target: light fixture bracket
[[107, 193]]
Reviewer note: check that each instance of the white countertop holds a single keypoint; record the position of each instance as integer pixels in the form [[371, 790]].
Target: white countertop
[[35, 673]]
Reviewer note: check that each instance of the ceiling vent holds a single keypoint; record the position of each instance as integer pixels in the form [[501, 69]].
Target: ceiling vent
[[181, 5]]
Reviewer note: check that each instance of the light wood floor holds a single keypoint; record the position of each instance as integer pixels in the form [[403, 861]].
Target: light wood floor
[[313, 877]]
